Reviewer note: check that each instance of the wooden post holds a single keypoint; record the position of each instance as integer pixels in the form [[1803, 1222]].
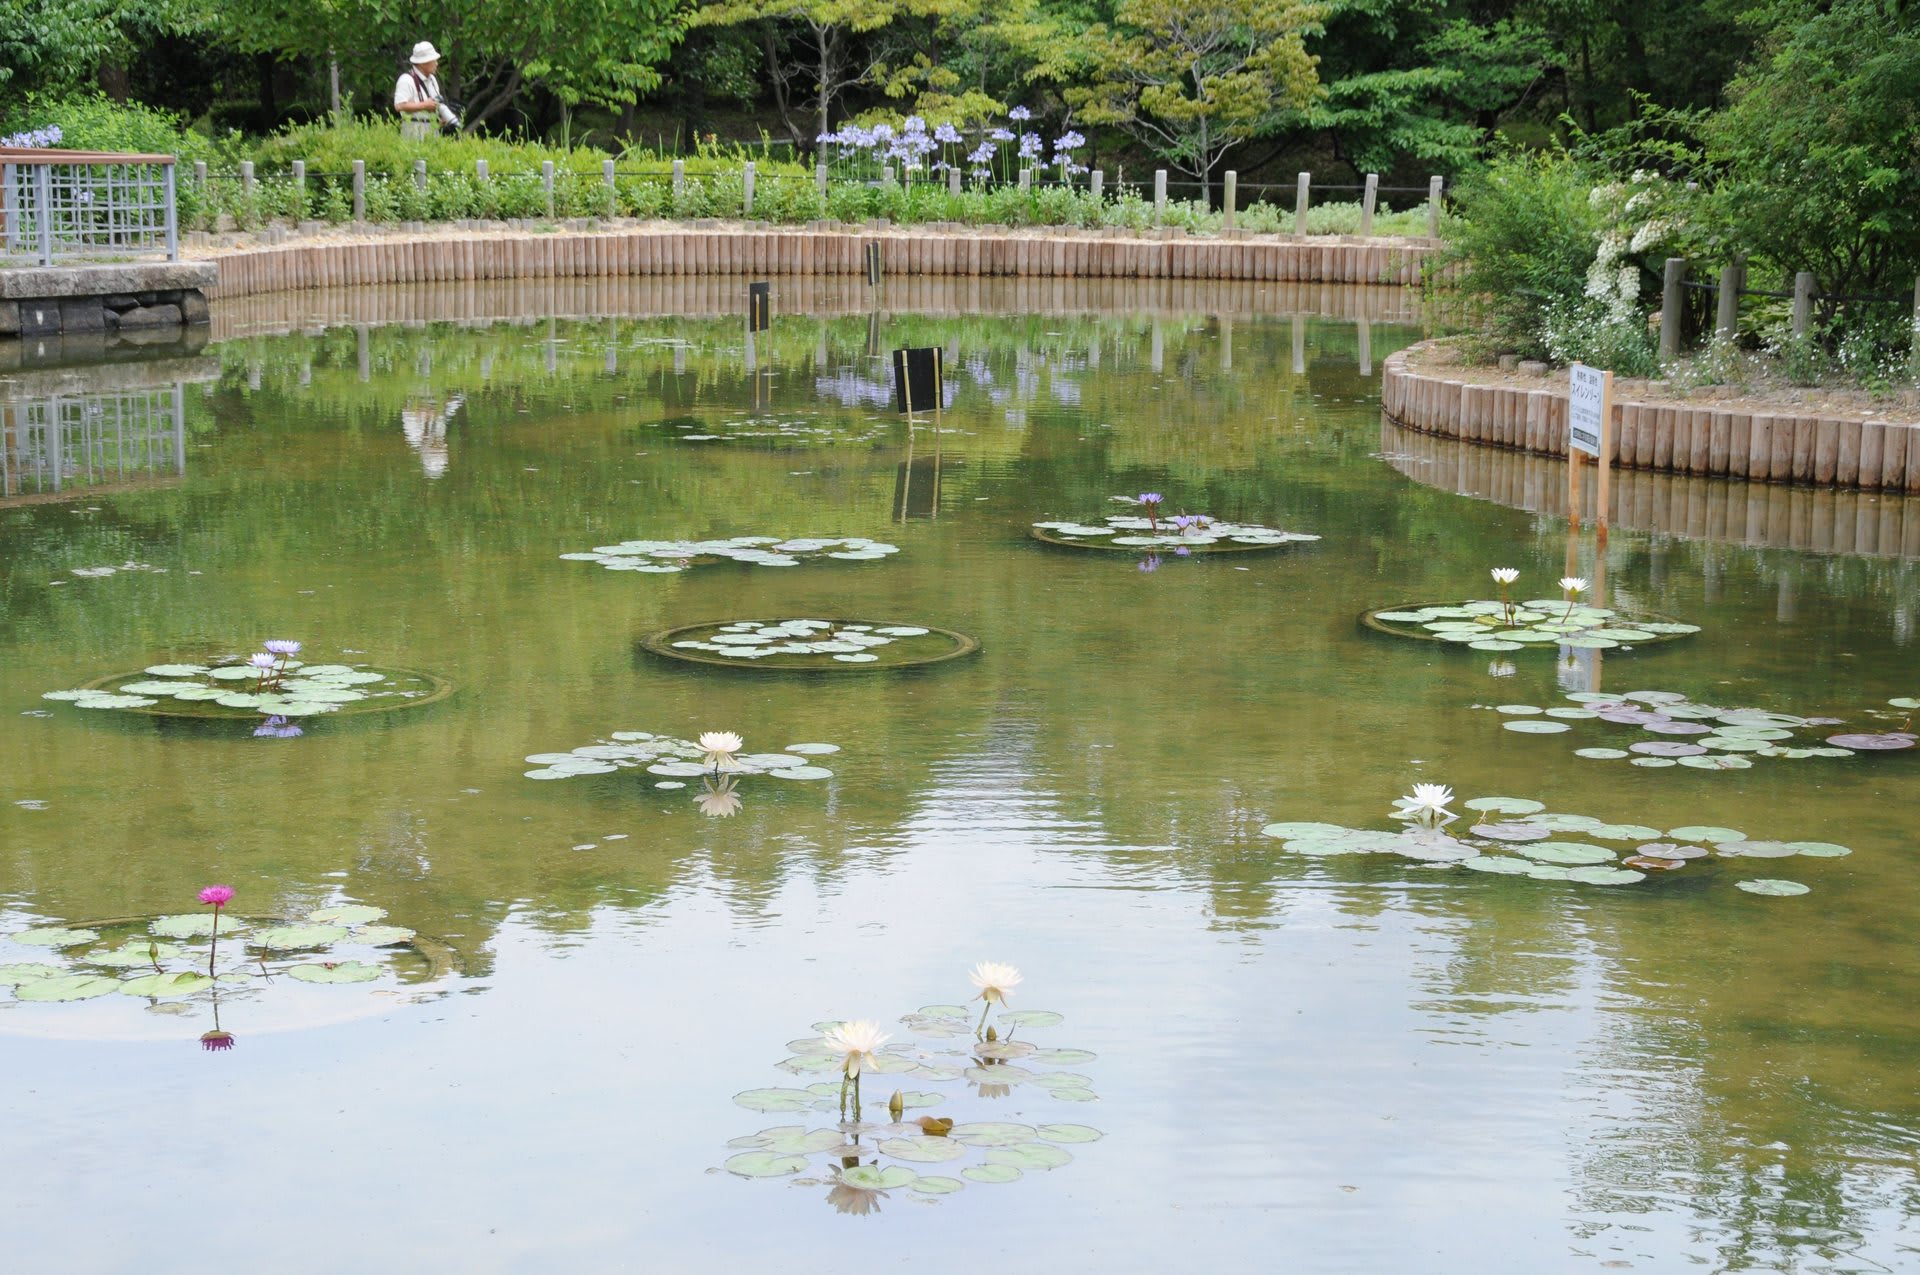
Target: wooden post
[[746, 190], [679, 179], [953, 181], [1435, 185], [1229, 199], [1726, 321], [1159, 196], [1601, 494], [1915, 356], [200, 175], [299, 190], [246, 178], [359, 190], [420, 174], [820, 179], [1672, 290], [1301, 186], [1802, 302], [546, 183], [1367, 203]]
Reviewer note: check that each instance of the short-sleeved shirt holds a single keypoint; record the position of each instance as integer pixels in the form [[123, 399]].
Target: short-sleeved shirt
[[407, 89]]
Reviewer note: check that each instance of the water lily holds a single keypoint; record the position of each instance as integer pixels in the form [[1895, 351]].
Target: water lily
[[996, 981], [1427, 805], [218, 896], [845, 1197], [1504, 577], [282, 646], [855, 1042], [1572, 587], [719, 747], [216, 1040]]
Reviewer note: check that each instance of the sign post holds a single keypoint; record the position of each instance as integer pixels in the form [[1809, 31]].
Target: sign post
[[1589, 433]]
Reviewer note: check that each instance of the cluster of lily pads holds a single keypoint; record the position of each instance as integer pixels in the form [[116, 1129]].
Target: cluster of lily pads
[[1493, 625], [1505, 625], [790, 431], [1517, 836], [171, 964], [844, 643], [715, 759], [1181, 535], [91, 573], [948, 1069], [1700, 736], [270, 683], [665, 557]]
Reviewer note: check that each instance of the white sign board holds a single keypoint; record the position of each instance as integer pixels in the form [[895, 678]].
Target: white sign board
[[1586, 400]]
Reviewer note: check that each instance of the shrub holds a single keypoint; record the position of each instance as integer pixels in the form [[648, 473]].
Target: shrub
[[95, 124], [1524, 235]]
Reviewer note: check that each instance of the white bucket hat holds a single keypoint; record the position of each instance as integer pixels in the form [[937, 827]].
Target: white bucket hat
[[424, 52]]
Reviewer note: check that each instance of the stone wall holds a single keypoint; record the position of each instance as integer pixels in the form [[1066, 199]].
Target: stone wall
[[76, 301]]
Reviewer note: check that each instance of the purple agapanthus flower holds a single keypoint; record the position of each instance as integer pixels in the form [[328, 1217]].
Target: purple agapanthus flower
[[946, 134], [1030, 145], [34, 139], [1068, 141], [1001, 135], [915, 124], [1019, 113], [981, 154]]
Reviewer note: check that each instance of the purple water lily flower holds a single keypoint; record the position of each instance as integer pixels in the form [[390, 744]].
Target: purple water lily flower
[[282, 646], [261, 660], [1183, 552], [1150, 563]]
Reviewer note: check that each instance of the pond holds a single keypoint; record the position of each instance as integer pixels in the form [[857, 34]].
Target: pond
[[592, 1018]]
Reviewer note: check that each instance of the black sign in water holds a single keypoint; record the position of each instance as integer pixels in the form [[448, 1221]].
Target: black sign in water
[[759, 307], [916, 379]]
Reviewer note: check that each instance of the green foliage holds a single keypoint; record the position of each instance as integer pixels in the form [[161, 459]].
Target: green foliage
[[91, 122], [1817, 147], [1524, 234], [1581, 329], [1193, 81]]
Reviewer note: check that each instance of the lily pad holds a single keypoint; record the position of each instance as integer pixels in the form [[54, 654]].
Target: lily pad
[[1771, 886], [992, 1134], [66, 987], [1494, 805], [1030, 1155], [1030, 1018], [54, 936], [922, 1149], [776, 1100], [937, 1185], [1069, 1133], [991, 1173], [155, 985], [380, 935], [1707, 833], [764, 1164], [873, 1177], [347, 914], [194, 925], [1600, 875], [26, 972], [291, 938]]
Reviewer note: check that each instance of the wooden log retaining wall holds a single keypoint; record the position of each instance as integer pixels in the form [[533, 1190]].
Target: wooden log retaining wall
[[1753, 515], [1785, 446], [717, 296], [697, 251]]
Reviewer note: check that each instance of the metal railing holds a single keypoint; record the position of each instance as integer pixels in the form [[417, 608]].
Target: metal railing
[[74, 205]]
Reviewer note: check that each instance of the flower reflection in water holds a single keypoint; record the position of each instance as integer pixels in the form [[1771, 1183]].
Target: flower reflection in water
[[1150, 563], [277, 727], [1501, 668], [718, 800], [848, 1198]]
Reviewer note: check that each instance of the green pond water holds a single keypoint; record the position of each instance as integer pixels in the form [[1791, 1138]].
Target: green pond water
[[1355, 1063]]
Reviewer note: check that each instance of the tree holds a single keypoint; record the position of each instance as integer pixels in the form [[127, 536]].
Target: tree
[[62, 45], [1819, 146], [1192, 79], [814, 50]]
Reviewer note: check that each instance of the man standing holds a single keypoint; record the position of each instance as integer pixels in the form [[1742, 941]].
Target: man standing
[[417, 95]]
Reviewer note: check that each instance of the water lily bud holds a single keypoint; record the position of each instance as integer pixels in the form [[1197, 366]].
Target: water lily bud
[[992, 1034], [897, 1106]]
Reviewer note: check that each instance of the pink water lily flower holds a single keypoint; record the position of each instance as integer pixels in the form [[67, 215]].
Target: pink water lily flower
[[218, 895]]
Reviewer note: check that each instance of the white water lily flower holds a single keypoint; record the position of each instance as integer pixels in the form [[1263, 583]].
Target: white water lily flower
[[1505, 575], [995, 980], [720, 803], [1428, 804], [856, 1042], [719, 747], [1573, 584]]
